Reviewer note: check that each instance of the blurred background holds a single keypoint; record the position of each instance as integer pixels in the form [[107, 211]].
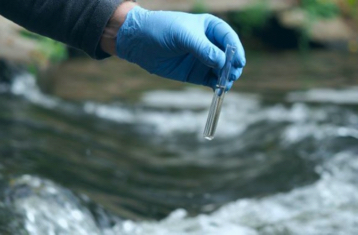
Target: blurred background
[[102, 147]]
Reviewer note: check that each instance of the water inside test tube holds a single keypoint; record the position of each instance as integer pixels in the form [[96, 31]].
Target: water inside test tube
[[214, 113]]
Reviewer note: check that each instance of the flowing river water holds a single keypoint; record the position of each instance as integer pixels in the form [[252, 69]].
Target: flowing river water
[[282, 166]]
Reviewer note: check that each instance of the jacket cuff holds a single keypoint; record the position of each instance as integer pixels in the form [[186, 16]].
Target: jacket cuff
[[95, 28]]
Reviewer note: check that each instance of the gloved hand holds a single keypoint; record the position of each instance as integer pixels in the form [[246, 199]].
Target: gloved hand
[[180, 46]]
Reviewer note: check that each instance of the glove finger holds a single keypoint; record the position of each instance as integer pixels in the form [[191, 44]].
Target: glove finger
[[235, 74], [222, 34], [211, 80], [206, 51], [229, 85]]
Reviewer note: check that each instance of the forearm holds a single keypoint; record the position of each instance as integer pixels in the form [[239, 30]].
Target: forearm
[[78, 23]]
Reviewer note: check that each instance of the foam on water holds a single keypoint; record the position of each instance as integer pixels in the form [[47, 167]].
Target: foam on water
[[239, 112], [50, 209], [192, 98], [155, 109], [189, 116], [25, 85], [343, 96], [328, 206], [190, 109]]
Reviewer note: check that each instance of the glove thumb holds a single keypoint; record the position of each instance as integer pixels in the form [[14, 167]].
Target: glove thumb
[[207, 53]]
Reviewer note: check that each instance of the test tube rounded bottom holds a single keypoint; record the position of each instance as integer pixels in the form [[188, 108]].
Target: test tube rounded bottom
[[214, 114]]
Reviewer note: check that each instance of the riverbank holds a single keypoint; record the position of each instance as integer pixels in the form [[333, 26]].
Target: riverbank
[[21, 50], [214, 6], [267, 73], [279, 22], [14, 47]]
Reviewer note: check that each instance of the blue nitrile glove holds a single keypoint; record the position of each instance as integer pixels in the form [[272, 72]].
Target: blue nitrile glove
[[180, 46]]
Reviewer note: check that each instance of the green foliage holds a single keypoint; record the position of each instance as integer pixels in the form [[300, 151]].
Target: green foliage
[[31, 68], [48, 49], [353, 4], [54, 51], [199, 7], [315, 9], [320, 8], [304, 41], [252, 18]]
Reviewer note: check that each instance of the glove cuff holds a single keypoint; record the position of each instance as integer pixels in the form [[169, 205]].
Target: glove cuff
[[128, 36]]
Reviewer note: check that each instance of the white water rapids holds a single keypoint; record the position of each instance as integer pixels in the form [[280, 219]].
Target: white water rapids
[[328, 206]]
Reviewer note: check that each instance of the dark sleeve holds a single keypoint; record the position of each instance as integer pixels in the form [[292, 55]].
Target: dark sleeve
[[78, 23]]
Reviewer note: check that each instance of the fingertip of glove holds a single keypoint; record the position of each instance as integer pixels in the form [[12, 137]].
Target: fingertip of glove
[[229, 85], [243, 62], [239, 62], [232, 78], [235, 74]]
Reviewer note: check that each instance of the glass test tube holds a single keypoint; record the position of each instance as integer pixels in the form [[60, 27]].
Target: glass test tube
[[219, 94]]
